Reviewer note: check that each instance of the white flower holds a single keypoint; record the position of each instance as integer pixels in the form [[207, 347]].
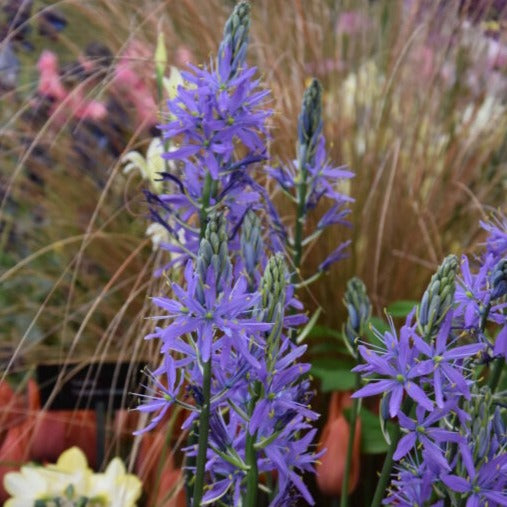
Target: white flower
[[172, 82], [71, 479], [115, 487], [35, 482], [149, 167], [158, 234]]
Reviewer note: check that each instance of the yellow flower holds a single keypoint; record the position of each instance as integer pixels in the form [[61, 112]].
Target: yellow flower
[[149, 167], [115, 487], [39, 483], [172, 82], [71, 479]]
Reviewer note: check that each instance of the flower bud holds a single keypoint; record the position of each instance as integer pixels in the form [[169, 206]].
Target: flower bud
[[438, 297], [235, 38], [252, 246], [498, 280], [273, 284], [213, 253], [310, 124], [359, 309]]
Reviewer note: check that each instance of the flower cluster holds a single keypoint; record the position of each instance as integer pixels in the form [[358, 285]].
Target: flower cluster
[[216, 114], [311, 177], [452, 439], [258, 400], [479, 295], [229, 340]]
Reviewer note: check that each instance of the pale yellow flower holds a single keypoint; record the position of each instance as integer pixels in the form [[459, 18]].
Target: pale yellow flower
[[149, 166], [36, 482], [172, 82], [71, 477], [115, 487]]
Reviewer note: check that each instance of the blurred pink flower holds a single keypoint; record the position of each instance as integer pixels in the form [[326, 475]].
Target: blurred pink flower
[[49, 79], [66, 104], [497, 54], [352, 22], [128, 81], [183, 57]]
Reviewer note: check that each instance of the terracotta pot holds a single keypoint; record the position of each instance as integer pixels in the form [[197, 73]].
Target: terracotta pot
[[335, 438]]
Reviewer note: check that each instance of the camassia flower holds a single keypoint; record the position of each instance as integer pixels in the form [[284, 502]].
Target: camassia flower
[[257, 384], [218, 113], [496, 242], [483, 486], [423, 431], [400, 367], [216, 313], [447, 361]]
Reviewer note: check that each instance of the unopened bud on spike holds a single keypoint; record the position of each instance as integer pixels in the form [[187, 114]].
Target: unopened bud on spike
[[235, 39], [310, 123], [438, 297], [213, 252], [251, 245], [359, 309], [498, 280]]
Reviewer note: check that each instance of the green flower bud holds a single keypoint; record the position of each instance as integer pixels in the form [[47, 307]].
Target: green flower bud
[[252, 246], [235, 38], [309, 124], [359, 310], [438, 297], [214, 252]]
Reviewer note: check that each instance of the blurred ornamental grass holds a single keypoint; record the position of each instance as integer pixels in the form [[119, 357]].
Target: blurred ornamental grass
[[414, 103]]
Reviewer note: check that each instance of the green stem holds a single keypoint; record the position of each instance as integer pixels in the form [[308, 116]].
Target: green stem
[[203, 429], [350, 446], [385, 475], [496, 373], [206, 195], [203, 436], [252, 477], [300, 218]]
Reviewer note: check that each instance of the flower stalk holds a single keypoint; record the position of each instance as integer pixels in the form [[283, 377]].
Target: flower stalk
[[309, 131], [354, 414], [385, 474], [359, 311], [202, 442]]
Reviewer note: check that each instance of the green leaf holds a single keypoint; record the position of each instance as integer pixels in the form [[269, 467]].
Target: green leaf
[[309, 326], [334, 374], [320, 348], [324, 331], [372, 438], [401, 308]]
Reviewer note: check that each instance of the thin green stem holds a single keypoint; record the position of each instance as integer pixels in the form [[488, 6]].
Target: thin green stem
[[203, 429], [385, 475], [206, 194], [252, 477], [203, 436], [356, 407], [300, 217]]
